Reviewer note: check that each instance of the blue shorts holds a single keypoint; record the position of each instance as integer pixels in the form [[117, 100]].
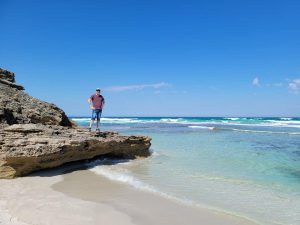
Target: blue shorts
[[96, 113]]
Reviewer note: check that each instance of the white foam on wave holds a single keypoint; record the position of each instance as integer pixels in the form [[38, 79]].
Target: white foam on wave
[[116, 171], [273, 123], [172, 120], [286, 118], [136, 120], [287, 123], [202, 127], [110, 120], [80, 119], [265, 131], [120, 120], [120, 174], [262, 123], [232, 118], [155, 154]]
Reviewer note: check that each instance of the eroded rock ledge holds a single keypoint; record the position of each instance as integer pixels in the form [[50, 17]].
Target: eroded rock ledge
[[36, 135], [29, 147]]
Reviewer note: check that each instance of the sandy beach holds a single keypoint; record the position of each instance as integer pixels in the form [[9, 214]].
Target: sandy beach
[[80, 197]]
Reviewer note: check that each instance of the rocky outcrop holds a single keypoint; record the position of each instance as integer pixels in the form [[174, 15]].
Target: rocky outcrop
[[6, 75], [29, 147], [17, 107], [36, 135]]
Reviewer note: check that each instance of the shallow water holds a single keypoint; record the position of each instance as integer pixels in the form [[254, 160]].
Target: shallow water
[[245, 166]]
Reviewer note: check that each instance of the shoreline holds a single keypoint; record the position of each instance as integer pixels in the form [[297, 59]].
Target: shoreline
[[31, 201], [74, 195]]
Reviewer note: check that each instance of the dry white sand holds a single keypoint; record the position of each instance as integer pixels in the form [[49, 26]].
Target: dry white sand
[[84, 198]]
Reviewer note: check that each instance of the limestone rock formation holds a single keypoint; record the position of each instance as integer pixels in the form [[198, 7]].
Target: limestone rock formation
[[17, 107], [29, 147], [6, 75], [37, 135]]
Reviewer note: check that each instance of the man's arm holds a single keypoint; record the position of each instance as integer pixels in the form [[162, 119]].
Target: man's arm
[[90, 101], [103, 103]]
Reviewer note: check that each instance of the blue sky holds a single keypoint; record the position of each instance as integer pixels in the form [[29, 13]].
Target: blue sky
[[157, 58]]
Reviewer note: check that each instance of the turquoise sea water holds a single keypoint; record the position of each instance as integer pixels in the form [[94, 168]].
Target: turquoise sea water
[[245, 166]]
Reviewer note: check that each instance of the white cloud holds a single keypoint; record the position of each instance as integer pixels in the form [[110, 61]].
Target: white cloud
[[294, 86], [255, 82], [136, 87]]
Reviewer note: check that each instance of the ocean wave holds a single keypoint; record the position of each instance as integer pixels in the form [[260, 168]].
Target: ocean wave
[[120, 120], [155, 154], [193, 123], [232, 118], [80, 119], [202, 127], [114, 169], [119, 174], [109, 120], [286, 118], [242, 118], [287, 123], [265, 131], [296, 124], [171, 120]]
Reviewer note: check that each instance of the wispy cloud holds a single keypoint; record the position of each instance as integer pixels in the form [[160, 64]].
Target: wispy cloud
[[294, 86], [256, 82], [136, 87]]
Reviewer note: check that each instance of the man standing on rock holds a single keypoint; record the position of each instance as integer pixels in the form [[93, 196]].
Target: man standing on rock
[[96, 103]]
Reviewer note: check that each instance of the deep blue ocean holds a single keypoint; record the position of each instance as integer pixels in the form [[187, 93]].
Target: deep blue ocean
[[244, 166]]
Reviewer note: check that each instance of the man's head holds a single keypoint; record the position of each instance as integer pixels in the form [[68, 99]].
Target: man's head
[[98, 91]]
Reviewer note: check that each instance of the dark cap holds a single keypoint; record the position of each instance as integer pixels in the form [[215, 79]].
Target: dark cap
[[97, 89]]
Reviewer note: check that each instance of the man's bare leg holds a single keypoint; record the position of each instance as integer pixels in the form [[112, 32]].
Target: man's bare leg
[[98, 124], [91, 124]]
